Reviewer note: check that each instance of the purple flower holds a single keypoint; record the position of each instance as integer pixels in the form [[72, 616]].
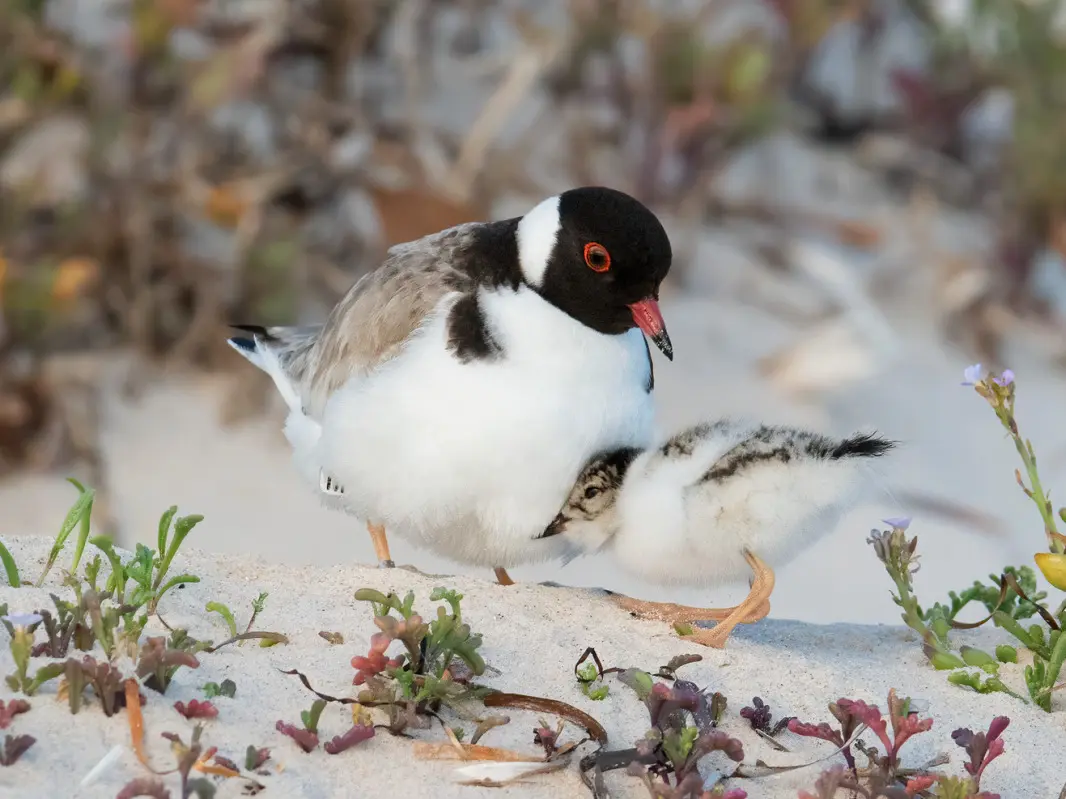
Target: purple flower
[[1005, 380], [898, 522], [972, 374]]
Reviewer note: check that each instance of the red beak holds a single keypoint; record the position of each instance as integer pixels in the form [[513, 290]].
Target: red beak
[[649, 319]]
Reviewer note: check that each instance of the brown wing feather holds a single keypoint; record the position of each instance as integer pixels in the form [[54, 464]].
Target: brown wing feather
[[373, 321]]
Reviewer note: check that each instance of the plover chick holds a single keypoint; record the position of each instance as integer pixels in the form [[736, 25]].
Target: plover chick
[[712, 503]]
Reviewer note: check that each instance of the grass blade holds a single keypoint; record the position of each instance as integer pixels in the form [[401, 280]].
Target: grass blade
[[74, 515], [12, 570], [83, 532]]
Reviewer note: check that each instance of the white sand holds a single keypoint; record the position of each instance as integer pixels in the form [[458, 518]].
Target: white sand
[[533, 634]]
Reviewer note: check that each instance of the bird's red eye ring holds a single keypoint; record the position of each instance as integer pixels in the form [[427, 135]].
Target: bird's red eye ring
[[597, 257]]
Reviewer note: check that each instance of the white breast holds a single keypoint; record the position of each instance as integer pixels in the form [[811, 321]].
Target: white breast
[[473, 460]]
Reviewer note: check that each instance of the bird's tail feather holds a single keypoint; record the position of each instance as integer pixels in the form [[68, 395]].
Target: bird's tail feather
[[263, 352]]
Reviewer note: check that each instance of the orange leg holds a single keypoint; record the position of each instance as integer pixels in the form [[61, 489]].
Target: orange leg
[[381, 545], [502, 577], [754, 607]]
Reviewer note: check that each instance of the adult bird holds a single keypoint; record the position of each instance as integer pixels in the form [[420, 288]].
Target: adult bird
[[454, 392]]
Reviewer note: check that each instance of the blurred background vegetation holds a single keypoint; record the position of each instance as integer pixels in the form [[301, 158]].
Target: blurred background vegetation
[[169, 166]]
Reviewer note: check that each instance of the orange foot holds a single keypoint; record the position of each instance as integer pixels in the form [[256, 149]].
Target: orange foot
[[755, 606]]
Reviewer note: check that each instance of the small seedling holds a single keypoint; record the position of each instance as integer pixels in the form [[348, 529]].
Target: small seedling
[[10, 709], [78, 516], [982, 747], [231, 624], [188, 757], [304, 738], [356, 735], [682, 733], [440, 659], [587, 677], [228, 688], [310, 717], [196, 709], [885, 775], [254, 758], [148, 569], [761, 720], [15, 746], [70, 625], [158, 662], [683, 720], [21, 628], [107, 683]]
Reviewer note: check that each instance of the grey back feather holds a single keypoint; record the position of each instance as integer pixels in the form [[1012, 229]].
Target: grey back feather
[[373, 321]]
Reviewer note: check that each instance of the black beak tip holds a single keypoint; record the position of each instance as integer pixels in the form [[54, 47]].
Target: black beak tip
[[554, 528], [662, 341]]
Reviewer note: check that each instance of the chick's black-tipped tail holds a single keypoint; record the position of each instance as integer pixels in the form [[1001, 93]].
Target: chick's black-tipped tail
[[862, 445]]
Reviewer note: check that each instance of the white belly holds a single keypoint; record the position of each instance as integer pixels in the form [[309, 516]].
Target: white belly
[[474, 460]]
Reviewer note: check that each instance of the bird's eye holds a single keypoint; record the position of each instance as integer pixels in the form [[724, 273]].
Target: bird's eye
[[597, 257], [591, 492]]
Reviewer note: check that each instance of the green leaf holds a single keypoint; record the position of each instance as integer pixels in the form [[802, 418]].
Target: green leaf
[[979, 659], [83, 532], [639, 681], [1050, 674], [92, 571], [226, 614], [944, 661], [310, 717], [1006, 654], [82, 505], [588, 672], [10, 568], [450, 596], [596, 694], [1032, 639], [228, 688], [259, 602], [117, 580], [45, 674], [164, 529], [173, 581], [139, 568], [182, 527]]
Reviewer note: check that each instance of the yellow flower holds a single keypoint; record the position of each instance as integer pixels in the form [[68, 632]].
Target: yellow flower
[[1053, 567]]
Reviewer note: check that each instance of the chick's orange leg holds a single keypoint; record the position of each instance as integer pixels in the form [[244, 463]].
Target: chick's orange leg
[[759, 596], [502, 577], [755, 606]]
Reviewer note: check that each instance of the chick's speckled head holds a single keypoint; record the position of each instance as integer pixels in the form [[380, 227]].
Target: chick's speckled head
[[587, 509]]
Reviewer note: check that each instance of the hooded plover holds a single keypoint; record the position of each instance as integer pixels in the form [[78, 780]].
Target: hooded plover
[[454, 392]]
